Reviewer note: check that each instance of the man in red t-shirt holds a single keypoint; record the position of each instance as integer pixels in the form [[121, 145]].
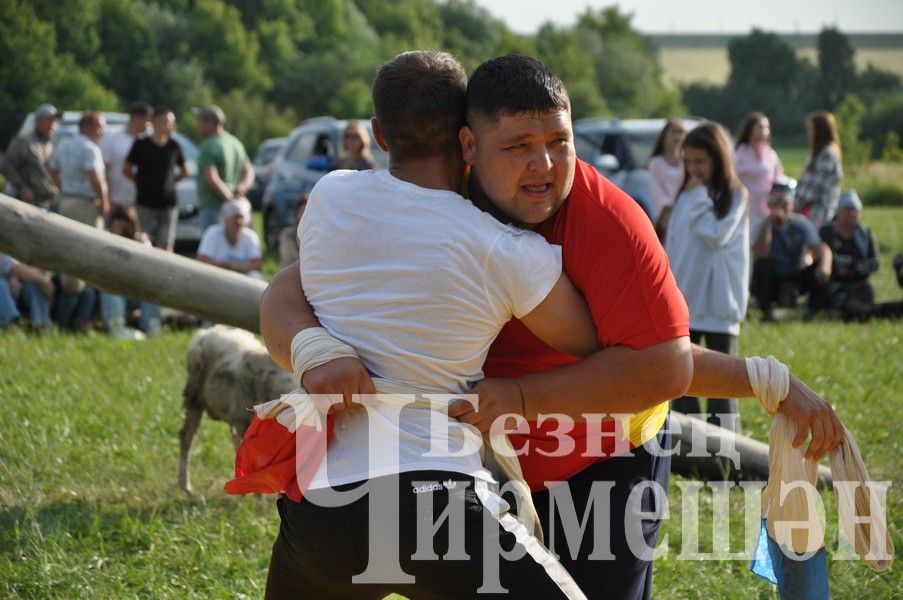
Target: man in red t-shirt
[[519, 143]]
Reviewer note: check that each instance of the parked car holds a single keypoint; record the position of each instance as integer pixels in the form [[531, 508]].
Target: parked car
[[620, 150], [312, 150], [188, 229], [263, 168]]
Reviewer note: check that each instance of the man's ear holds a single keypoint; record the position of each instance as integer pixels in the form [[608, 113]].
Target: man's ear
[[468, 144], [378, 135]]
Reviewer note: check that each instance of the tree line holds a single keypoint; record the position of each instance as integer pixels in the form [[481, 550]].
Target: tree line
[[766, 75], [271, 63]]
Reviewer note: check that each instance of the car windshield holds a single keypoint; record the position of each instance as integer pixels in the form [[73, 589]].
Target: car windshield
[[266, 154], [631, 148]]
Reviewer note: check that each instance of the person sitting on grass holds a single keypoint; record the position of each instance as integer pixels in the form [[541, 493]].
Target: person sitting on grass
[[780, 244], [114, 308], [23, 287], [855, 258], [231, 244]]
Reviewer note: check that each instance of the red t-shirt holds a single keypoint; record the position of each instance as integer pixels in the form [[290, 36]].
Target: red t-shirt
[[612, 255]]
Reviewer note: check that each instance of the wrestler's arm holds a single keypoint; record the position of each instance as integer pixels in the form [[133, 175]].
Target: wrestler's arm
[[284, 311], [562, 320], [718, 375], [616, 379]]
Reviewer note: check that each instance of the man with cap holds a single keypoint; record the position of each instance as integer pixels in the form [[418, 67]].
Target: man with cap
[[780, 246], [232, 244], [855, 257], [25, 163], [224, 171]]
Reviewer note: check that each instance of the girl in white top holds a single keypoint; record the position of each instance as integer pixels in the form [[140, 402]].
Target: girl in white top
[[708, 246], [757, 164], [666, 167]]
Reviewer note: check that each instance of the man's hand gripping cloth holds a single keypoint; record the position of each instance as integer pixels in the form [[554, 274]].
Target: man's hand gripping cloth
[[266, 461], [788, 507]]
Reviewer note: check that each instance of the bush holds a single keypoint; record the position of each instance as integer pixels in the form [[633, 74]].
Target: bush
[[881, 193], [849, 115], [891, 151]]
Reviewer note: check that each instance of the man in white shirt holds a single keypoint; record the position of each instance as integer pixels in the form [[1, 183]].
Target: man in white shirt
[[115, 148], [420, 308]]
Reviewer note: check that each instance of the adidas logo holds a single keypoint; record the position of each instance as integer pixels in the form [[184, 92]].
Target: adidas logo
[[434, 486]]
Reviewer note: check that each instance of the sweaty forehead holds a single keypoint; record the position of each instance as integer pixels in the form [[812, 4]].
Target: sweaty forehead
[[525, 123]]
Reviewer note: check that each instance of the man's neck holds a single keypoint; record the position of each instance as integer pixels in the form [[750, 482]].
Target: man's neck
[[481, 200], [435, 173], [160, 138]]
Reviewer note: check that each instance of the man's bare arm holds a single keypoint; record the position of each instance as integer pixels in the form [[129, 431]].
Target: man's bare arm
[[247, 179], [563, 321], [215, 182], [613, 380], [284, 311], [721, 375]]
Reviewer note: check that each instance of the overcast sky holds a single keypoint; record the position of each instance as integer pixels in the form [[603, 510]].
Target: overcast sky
[[692, 16]]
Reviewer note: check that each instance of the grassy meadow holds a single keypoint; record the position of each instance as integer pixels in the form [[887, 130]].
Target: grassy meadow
[[89, 506], [707, 64]]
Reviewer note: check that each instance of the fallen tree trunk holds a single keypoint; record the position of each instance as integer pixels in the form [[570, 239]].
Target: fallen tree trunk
[[127, 268], [711, 452]]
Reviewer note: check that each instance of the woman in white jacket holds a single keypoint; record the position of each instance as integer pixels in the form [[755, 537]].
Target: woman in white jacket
[[708, 246]]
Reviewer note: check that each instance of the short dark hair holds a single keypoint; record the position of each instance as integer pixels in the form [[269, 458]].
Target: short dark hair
[[514, 84], [140, 109], [162, 111], [418, 99]]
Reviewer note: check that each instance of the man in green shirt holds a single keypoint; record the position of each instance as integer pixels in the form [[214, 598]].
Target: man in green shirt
[[224, 171]]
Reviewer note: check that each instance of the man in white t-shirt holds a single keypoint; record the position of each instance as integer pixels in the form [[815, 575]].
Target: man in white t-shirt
[[115, 148], [231, 244], [420, 307]]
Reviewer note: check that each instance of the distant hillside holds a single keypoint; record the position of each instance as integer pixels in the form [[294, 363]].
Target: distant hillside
[[688, 58], [797, 40]]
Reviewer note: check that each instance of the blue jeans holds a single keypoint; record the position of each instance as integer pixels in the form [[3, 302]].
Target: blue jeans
[[37, 304], [114, 308], [73, 311], [8, 310]]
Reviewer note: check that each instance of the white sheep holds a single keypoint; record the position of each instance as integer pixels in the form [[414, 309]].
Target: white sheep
[[229, 371]]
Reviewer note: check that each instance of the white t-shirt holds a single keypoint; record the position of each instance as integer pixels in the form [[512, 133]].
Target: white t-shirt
[[419, 282], [115, 147], [215, 244]]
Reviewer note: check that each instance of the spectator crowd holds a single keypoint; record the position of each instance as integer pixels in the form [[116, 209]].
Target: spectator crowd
[[125, 182], [733, 224]]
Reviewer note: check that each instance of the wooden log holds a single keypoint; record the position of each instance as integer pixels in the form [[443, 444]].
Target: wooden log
[[128, 268], [705, 451]]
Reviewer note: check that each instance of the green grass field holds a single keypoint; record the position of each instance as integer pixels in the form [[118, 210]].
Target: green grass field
[[685, 65], [89, 506]]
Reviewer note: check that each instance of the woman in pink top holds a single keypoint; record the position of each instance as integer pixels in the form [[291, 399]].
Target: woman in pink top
[[666, 166], [756, 163]]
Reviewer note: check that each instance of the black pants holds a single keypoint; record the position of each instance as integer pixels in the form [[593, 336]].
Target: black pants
[[618, 572], [766, 283], [319, 549], [689, 405]]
